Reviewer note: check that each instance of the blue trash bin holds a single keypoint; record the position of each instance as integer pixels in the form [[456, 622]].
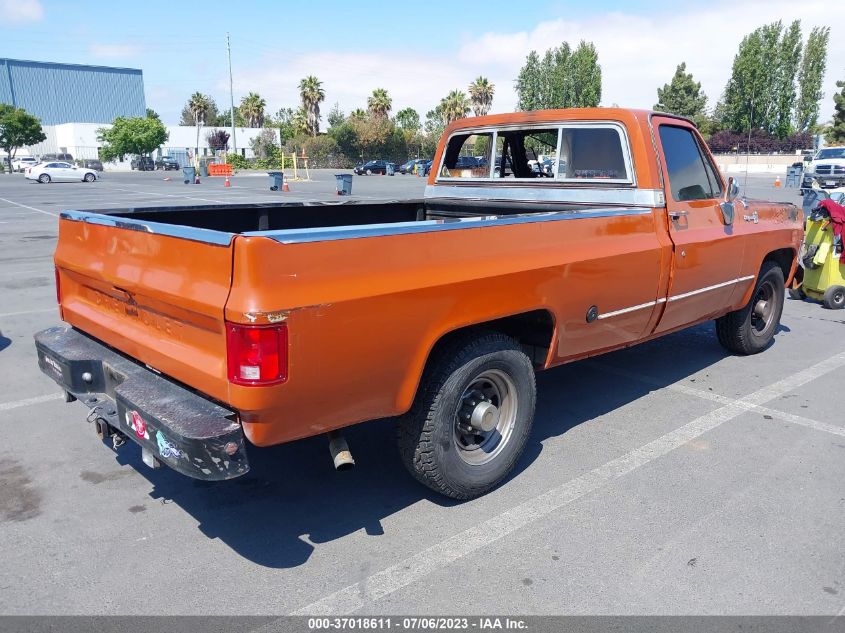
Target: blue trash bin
[[344, 184], [190, 174], [277, 180], [391, 169]]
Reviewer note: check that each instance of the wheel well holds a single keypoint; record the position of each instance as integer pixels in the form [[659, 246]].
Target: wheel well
[[532, 330], [783, 258]]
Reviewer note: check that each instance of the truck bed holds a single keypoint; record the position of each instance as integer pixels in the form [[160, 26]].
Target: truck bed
[[288, 216]]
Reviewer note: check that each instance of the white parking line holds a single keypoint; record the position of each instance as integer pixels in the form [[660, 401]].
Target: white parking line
[[168, 195], [715, 397], [27, 271], [7, 406], [443, 554], [23, 206], [39, 311]]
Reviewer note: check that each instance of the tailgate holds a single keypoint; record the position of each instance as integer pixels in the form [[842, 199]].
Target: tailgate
[[158, 298]]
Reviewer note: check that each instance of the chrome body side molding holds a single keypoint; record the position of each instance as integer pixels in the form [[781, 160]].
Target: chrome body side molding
[[622, 196], [207, 236], [684, 295], [300, 236]]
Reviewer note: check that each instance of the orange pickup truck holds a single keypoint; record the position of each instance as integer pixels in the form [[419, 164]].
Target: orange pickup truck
[[543, 237]]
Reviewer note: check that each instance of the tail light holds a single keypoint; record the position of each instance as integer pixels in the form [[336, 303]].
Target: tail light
[[58, 287], [257, 354]]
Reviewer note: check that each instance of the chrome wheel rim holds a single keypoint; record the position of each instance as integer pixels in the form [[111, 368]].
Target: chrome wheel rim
[[485, 417], [763, 308]]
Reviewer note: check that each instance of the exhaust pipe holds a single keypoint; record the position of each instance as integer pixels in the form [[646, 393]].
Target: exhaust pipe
[[341, 456]]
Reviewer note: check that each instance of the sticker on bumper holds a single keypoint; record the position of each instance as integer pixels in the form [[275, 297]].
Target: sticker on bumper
[[168, 449], [135, 422]]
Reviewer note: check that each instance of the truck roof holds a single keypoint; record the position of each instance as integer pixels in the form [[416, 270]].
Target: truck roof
[[625, 115]]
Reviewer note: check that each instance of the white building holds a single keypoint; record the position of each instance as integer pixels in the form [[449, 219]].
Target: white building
[[80, 141]]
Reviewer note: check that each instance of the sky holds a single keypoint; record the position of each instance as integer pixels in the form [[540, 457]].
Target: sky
[[418, 51]]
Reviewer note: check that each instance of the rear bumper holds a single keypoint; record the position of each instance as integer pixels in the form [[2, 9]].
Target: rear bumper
[[184, 430]]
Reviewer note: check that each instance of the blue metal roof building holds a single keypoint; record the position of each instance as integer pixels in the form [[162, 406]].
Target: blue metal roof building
[[72, 93]]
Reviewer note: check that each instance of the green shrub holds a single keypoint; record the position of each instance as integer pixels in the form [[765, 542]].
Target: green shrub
[[237, 161]]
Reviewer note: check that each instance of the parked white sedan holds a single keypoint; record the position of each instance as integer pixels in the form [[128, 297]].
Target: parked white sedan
[[60, 172]]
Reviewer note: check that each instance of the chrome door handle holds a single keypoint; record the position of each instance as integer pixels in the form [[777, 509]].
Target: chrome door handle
[[678, 214]]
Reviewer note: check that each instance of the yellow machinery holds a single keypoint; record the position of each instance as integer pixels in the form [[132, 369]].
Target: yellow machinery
[[824, 272]]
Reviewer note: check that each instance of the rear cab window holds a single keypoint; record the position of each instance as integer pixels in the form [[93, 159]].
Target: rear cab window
[[576, 153]]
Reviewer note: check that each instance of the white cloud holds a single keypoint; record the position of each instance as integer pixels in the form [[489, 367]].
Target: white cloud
[[112, 51], [637, 54], [19, 11]]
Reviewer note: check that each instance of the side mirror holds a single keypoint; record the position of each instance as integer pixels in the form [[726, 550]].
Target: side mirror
[[732, 191], [727, 206]]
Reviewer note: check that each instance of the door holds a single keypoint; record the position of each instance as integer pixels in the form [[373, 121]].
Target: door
[[707, 256], [66, 172]]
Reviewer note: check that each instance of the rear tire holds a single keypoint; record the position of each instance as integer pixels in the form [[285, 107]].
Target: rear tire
[[369, 172], [750, 329], [436, 443], [834, 298], [44, 179]]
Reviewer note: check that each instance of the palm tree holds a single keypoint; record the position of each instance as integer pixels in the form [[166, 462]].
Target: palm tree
[[455, 106], [199, 105], [481, 95], [311, 92], [380, 103], [358, 115], [252, 109]]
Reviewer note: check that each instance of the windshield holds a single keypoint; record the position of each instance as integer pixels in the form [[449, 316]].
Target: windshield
[[831, 152]]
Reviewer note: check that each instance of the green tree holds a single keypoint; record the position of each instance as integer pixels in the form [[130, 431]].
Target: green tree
[[761, 90], [682, 95], [264, 144], [152, 114], [252, 109], [584, 74], [563, 79], [18, 128], [454, 106], [312, 94], [481, 93], [379, 103], [788, 60], [210, 114], [813, 65], [336, 116], [529, 84], [199, 105], [358, 114], [224, 119], [408, 119], [836, 131], [134, 136]]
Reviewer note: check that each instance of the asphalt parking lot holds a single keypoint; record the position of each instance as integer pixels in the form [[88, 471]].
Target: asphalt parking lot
[[669, 478]]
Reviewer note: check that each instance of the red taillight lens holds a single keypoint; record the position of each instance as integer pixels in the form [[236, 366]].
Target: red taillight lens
[[58, 287], [257, 354]]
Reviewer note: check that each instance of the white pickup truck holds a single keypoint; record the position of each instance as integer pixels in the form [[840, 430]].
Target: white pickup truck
[[827, 167]]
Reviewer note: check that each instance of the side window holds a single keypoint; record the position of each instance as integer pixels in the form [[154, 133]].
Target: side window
[[468, 156], [688, 177], [592, 153]]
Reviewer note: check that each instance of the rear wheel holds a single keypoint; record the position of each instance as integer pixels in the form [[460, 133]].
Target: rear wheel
[[472, 416], [834, 298], [44, 178], [369, 172], [750, 329]]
